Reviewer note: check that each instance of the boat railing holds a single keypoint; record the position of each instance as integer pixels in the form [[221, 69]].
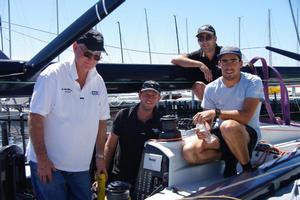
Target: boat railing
[[284, 100]]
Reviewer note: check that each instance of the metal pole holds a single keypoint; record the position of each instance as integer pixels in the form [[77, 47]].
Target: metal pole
[[239, 32], [270, 37], [120, 35], [294, 21], [298, 31], [9, 30], [148, 36], [22, 130], [4, 134], [178, 49], [1, 33], [187, 35], [57, 23]]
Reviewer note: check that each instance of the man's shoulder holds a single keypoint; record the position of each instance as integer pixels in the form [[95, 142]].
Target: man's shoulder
[[250, 77], [214, 83], [125, 112], [196, 55], [54, 68]]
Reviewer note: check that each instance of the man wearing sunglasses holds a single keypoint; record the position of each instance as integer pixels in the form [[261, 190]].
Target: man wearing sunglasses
[[68, 113], [205, 59], [234, 100]]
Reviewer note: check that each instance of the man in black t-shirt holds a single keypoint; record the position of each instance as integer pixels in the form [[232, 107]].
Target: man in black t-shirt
[[132, 127], [205, 58]]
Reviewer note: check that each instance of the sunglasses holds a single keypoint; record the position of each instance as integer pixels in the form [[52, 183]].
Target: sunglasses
[[233, 60], [202, 38], [88, 54]]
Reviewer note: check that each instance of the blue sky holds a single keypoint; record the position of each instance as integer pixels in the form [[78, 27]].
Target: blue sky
[[223, 15]]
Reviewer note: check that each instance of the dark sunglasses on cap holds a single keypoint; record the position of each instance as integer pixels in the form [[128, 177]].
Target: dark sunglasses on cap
[[86, 53], [207, 37]]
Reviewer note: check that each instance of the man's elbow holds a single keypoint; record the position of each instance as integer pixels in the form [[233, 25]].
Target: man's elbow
[[174, 61]]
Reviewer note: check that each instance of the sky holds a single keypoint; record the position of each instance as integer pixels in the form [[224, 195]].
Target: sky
[[34, 24]]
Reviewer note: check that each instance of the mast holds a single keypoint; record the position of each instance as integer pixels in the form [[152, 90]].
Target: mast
[[270, 39], [239, 32], [294, 22], [178, 49], [147, 26], [57, 23], [1, 33], [120, 41], [187, 35], [298, 30], [80, 26], [9, 29]]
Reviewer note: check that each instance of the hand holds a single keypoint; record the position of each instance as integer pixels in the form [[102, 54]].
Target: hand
[[207, 73], [202, 134], [45, 168], [204, 116], [100, 165]]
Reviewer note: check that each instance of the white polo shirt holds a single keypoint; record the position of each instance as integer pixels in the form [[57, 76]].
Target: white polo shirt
[[71, 114]]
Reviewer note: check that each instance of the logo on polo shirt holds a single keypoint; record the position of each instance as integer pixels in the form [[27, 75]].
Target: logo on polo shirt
[[66, 90], [95, 92]]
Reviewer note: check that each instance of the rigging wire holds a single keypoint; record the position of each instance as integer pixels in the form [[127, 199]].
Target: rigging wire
[[110, 46], [295, 25]]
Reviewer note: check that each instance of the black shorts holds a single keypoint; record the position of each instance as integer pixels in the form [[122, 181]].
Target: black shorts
[[225, 149]]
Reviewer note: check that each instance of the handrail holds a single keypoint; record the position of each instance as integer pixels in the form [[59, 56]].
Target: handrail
[[284, 100]]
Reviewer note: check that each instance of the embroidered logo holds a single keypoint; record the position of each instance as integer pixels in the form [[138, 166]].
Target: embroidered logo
[[95, 92], [66, 90]]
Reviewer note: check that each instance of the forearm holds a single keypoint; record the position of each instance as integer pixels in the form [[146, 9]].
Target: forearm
[[237, 115], [244, 115], [36, 131], [108, 153], [187, 62], [101, 137], [110, 147]]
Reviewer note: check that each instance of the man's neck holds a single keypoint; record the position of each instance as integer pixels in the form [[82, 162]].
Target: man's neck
[[144, 114], [210, 53], [230, 83], [82, 74]]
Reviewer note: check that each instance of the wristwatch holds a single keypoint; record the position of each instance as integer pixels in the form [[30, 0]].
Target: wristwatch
[[218, 112], [99, 156]]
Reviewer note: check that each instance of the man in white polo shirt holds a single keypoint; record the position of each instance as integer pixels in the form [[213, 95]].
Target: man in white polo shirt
[[68, 113]]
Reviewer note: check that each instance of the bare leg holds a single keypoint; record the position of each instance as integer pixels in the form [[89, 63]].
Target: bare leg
[[198, 89], [237, 139], [196, 151]]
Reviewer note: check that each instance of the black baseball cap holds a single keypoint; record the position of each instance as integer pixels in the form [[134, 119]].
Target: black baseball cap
[[230, 50], [93, 40], [207, 28], [151, 85]]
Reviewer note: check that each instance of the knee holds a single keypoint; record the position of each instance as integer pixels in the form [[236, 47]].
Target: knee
[[198, 86], [229, 128], [191, 152]]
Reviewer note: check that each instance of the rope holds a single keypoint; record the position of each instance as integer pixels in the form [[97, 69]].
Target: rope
[[211, 197]]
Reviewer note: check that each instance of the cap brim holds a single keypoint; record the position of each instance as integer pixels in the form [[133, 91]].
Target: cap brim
[[150, 89], [220, 55], [209, 32]]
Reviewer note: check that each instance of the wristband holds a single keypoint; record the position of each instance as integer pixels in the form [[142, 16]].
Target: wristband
[[99, 156], [217, 112]]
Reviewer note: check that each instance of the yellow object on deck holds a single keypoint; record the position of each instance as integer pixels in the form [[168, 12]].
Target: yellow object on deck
[[101, 180], [274, 89]]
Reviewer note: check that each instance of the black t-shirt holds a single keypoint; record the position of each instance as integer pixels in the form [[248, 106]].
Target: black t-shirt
[[212, 65], [132, 135]]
